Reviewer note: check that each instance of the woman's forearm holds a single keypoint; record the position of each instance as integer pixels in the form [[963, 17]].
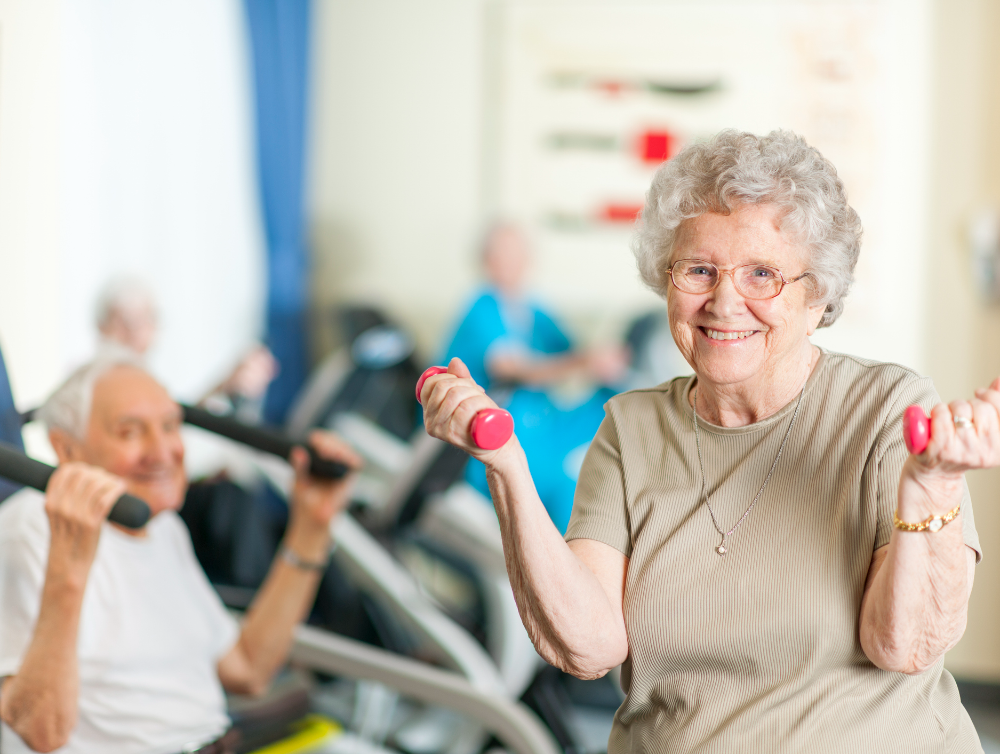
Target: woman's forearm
[[565, 608], [916, 603], [40, 703], [570, 602]]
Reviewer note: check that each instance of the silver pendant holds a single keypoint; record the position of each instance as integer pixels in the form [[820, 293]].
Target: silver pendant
[[721, 549]]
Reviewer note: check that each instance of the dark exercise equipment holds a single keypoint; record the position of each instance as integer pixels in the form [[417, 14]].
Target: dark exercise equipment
[[129, 511], [261, 439], [10, 427], [371, 375], [132, 512]]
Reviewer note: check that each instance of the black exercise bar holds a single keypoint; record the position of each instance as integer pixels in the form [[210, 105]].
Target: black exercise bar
[[261, 439], [132, 512], [128, 511]]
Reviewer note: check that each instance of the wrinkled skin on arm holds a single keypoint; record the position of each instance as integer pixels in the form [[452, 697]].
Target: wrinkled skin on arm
[[569, 595], [915, 605]]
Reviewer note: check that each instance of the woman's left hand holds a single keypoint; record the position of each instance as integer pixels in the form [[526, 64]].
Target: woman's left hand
[[916, 598], [972, 443]]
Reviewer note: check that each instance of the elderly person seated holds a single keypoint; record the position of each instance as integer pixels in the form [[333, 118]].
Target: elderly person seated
[[754, 543], [112, 639], [127, 318], [516, 350]]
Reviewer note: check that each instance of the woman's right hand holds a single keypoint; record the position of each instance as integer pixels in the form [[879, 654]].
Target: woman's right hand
[[569, 596], [78, 499], [451, 401]]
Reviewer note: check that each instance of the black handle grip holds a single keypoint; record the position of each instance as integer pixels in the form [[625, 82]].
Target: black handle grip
[[261, 439], [128, 511]]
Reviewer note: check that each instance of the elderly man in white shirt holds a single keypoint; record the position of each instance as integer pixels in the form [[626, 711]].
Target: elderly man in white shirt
[[112, 639]]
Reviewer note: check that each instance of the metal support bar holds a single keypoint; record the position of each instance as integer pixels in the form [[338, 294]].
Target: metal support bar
[[512, 723]]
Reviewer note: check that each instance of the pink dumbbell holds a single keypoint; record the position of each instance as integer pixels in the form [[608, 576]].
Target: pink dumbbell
[[916, 429], [491, 428]]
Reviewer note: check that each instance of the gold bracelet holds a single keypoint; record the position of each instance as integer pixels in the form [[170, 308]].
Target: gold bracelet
[[931, 523]]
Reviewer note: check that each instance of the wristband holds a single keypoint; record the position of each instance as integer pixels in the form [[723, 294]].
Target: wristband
[[289, 556]]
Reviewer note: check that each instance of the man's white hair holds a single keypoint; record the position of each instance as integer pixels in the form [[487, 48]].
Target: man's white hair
[[68, 408], [123, 295]]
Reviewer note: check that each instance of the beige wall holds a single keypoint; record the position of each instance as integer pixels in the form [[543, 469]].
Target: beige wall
[[963, 336], [396, 120]]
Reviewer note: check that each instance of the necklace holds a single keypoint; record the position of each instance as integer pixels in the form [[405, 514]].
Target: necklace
[[721, 549]]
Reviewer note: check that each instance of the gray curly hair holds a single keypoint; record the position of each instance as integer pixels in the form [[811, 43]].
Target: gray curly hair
[[735, 168]]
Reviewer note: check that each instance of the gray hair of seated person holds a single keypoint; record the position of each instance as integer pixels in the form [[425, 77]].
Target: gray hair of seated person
[[68, 408], [123, 295], [736, 168]]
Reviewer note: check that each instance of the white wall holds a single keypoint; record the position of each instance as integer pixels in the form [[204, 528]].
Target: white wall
[[126, 147], [30, 194], [158, 178]]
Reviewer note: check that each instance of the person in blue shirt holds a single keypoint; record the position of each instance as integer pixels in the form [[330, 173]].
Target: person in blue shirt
[[517, 351]]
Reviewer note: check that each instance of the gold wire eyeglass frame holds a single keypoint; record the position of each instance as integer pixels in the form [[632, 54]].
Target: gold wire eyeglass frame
[[732, 276]]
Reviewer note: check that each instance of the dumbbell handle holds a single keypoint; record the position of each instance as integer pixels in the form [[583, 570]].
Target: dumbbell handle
[[128, 511], [491, 428], [916, 429]]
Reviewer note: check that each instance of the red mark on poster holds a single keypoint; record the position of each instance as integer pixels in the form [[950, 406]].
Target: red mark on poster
[[656, 146], [620, 213]]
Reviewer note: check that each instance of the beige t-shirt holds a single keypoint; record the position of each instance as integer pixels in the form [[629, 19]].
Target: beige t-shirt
[[758, 650]]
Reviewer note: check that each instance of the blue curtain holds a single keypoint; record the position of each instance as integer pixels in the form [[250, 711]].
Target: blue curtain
[[279, 42], [10, 426]]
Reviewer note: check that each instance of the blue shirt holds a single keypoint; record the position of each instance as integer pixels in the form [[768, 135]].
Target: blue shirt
[[552, 438], [494, 324]]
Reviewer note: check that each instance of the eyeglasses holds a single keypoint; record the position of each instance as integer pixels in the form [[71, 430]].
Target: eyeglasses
[[754, 281]]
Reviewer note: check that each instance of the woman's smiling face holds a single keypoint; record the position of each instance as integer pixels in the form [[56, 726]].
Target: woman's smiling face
[[727, 339]]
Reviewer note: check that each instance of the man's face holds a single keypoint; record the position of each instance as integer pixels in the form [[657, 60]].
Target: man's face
[[134, 432]]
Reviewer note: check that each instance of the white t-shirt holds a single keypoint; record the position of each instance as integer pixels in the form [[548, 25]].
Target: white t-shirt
[[151, 632]]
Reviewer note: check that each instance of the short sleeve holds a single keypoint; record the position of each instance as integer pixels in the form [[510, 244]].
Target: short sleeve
[[892, 454], [600, 509], [225, 629], [23, 556]]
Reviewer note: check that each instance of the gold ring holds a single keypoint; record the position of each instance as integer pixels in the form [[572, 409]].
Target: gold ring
[[962, 422]]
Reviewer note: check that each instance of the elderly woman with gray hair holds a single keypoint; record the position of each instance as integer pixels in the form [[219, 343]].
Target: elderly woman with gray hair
[[753, 543]]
